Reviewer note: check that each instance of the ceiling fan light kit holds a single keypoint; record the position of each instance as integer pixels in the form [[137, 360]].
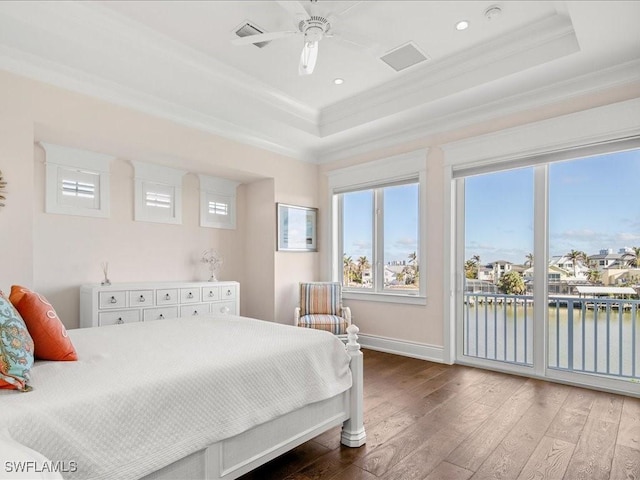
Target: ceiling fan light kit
[[313, 28]]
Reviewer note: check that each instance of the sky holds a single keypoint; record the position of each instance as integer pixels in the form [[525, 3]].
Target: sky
[[594, 204], [400, 223]]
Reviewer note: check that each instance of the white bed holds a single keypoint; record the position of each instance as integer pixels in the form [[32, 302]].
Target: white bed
[[208, 397]]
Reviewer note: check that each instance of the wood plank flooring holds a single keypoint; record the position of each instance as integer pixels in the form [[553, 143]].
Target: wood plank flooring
[[427, 421]]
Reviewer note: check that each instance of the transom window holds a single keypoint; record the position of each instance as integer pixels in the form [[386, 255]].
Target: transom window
[[158, 193], [77, 181], [217, 202]]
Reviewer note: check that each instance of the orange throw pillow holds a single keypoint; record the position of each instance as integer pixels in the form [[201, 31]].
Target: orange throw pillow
[[17, 292], [50, 338]]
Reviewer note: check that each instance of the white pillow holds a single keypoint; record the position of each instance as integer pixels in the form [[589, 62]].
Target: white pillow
[[19, 462]]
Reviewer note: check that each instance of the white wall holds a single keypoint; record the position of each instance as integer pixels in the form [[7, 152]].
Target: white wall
[[55, 254]]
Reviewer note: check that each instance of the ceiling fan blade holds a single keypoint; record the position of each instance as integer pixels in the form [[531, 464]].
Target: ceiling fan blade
[[262, 37], [295, 9], [333, 16], [358, 41]]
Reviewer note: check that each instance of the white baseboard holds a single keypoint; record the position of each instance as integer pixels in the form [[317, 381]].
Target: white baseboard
[[402, 347]]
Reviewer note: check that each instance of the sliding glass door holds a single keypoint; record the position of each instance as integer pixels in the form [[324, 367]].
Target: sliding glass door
[[497, 299], [550, 256]]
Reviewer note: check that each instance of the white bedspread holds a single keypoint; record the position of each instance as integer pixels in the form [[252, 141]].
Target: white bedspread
[[144, 395]]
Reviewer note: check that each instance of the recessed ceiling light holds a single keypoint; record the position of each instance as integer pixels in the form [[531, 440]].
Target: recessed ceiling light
[[338, 81], [462, 25]]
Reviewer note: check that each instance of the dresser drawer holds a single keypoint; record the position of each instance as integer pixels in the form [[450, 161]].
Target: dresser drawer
[[210, 293], [150, 314], [112, 299], [140, 298], [228, 293], [189, 295], [192, 310], [224, 308], [167, 296], [117, 317]]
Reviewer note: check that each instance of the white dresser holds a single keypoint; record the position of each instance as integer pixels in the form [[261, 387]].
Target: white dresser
[[143, 302]]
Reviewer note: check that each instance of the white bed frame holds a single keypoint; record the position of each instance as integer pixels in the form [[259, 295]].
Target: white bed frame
[[232, 457]]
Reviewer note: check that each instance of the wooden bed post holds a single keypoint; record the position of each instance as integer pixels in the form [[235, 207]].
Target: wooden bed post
[[353, 434]]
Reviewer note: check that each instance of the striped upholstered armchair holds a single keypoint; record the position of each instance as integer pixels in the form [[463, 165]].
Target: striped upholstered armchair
[[321, 307]]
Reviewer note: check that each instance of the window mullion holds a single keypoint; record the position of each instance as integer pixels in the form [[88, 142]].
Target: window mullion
[[378, 238]]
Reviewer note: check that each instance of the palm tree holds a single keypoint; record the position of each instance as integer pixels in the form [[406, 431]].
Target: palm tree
[[412, 269], [636, 261], [471, 267], [476, 259], [574, 256], [529, 260], [347, 269], [363, 264]]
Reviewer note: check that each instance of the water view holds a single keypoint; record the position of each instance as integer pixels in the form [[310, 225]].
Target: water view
[[596, 337]]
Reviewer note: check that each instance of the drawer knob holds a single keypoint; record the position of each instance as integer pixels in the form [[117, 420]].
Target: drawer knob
[[190, 295], [141, 298], [167, 297], [228, 293], [120, 321], [224, 310], [211, 293], [113, 299], [195, 312], [161, 316]]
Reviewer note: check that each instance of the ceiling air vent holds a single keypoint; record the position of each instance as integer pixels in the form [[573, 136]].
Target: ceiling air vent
[[247, 29], [404, 56]]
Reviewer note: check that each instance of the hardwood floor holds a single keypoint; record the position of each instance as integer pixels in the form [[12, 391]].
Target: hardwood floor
[[438, 422]]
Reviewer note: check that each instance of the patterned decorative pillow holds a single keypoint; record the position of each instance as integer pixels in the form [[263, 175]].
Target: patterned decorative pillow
[[16, 348], [49, 335], [322, 298]]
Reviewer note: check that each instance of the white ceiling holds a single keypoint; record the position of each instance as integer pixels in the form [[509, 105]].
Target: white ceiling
[[176, 60]]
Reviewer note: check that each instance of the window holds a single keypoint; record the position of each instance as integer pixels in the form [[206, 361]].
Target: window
[[158, 193], [392, 245], [77, 181], [217, 202], [378, 235]]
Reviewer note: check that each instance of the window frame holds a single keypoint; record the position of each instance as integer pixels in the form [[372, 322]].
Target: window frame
[[387, 172], [70, 162]]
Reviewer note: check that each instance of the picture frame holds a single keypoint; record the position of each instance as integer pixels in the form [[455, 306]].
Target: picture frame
[[296, 228]]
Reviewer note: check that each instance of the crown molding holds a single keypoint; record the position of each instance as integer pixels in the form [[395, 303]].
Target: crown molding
[[588, 127], [36, 68], [95, 27], [445, 95], [590, 83]]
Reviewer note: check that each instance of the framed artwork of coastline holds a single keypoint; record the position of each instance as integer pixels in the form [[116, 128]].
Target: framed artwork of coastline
[[297, 227]]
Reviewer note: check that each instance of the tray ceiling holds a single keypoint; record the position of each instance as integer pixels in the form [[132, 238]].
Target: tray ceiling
[[176, 60]]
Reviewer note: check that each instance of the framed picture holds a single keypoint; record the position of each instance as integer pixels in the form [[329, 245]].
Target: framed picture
[[297, 228]]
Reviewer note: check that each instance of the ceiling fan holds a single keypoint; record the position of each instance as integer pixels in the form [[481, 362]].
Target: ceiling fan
[[313, 28]]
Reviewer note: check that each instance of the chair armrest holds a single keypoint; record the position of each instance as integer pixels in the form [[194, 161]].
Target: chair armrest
[[346, 313], [297, 316]]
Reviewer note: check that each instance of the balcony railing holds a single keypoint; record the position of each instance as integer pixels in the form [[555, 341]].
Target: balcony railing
[[591, 335]]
